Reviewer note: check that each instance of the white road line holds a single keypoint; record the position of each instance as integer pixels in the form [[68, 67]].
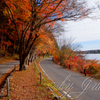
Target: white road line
[[52, 80], [45, 72]]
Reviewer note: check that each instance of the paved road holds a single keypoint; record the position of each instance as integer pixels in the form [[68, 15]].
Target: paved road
[[76, 85], [4, 68]]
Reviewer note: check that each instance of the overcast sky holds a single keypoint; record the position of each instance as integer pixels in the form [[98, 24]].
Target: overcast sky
[[85, 32]]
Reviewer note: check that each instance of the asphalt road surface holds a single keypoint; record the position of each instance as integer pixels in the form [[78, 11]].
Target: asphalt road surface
[[74, 85], [4, 68]]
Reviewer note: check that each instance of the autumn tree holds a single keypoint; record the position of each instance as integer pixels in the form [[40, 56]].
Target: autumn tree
[[3, 22], [28, 16], [8, 39], [46, 43]]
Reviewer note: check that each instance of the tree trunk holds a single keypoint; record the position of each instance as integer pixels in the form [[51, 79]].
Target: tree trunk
[[43, 55], [23, 58], [1, 45], [23, 63], [13, 52], [1, 40], [31, 56]]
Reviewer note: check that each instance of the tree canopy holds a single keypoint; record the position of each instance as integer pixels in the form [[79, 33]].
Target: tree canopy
[[28, 17]]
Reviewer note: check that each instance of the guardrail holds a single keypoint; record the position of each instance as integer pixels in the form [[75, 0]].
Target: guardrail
[[70, 67], [5, 81], [85, 71]]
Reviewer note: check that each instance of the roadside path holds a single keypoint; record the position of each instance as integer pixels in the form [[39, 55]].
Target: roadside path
[[4, 68]]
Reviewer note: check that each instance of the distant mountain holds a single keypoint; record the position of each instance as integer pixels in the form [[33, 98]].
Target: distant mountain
[[91, 51]]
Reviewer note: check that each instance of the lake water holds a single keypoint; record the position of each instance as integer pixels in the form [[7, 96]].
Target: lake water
[[92, 56]]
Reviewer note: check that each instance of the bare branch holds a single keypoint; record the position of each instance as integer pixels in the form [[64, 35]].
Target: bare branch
[[12, 19]]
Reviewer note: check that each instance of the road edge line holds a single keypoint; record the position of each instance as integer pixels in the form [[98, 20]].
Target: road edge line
[[45, 72], [69, 97]]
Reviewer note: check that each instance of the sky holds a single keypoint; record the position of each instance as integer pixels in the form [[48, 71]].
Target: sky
[[85, 32]]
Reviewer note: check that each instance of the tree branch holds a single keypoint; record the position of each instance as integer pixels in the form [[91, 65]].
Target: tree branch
[[12, 19]]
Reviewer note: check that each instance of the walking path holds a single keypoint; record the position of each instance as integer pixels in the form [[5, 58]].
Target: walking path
[[4, 68]]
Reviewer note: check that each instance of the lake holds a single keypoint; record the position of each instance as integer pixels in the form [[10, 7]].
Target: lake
[[92, 56]]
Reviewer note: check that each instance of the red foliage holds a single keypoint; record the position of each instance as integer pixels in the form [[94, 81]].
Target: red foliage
[[79, 64]]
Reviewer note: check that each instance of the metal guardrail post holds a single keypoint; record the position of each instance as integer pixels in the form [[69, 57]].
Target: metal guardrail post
[[70, 67], [85, 71], [7, 86]]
